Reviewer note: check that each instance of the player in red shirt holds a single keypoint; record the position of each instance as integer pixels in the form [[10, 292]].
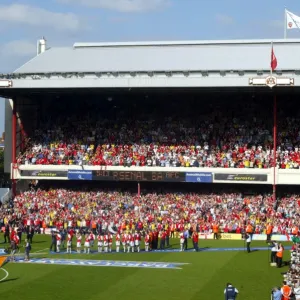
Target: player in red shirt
[[69, 243], [105, 243], [124, 241], [147, 241], [100, 242], [78, 242], [87, 245], [137, 241], [195, 238], [58, 242]]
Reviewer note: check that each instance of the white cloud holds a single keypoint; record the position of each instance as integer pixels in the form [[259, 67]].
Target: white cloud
[[35, 16], [224, 19], [122, 5], [20, 48]]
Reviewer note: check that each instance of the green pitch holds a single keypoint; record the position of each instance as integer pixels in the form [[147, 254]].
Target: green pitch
[[204, 277]]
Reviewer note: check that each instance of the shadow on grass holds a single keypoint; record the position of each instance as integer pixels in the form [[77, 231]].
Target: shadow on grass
[[11, 279]]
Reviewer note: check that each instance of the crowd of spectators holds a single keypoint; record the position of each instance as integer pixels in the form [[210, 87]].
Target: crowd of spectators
[[65, 208], [291, 283], [227, 134]]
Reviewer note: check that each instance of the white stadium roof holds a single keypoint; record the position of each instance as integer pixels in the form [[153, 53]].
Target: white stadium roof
[[246, 55]]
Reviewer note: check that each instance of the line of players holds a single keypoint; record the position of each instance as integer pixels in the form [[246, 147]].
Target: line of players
[[130, 242], [126, 242]]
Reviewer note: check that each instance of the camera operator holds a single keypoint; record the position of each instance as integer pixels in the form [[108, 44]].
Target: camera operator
[[276, 293], [230, 292]]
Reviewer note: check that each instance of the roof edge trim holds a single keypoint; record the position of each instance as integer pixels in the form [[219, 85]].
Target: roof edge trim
[[185, 43]]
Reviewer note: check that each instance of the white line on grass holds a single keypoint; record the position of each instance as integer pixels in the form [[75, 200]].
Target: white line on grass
[[6, 274], [40, 250]]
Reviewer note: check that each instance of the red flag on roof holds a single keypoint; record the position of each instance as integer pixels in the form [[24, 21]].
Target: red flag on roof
[[273, 60]]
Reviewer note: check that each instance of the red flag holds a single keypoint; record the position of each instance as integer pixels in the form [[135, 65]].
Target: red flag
[[273, 60]]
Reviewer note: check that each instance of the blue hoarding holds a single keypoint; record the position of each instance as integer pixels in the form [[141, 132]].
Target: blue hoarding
[[200, 177], [80, 175]]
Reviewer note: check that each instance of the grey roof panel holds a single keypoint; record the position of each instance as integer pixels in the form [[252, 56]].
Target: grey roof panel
[[127, 57]]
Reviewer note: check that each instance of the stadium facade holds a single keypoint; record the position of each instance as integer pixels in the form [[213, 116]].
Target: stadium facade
[[124, 68]]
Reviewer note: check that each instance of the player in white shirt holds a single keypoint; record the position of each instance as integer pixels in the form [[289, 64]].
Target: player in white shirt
[[58, 242], [128, 240], [181, 237], [78, 242], [131, 242], [87, 245], [137, 241], [69, 243], [124, 241], [100, 242], [110, 240], [118, 242]]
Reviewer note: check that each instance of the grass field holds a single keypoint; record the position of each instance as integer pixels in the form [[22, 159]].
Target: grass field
[[204, 277]]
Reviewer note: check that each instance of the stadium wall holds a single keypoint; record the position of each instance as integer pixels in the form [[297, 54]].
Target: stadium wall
[[177, 174]]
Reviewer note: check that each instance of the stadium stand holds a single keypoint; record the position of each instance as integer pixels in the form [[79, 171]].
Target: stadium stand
[[78, 208], [225, 133]]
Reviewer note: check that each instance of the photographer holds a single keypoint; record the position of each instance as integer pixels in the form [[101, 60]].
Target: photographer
[[230, 292]]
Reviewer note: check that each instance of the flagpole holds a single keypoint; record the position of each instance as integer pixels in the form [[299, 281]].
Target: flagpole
[[285, 21], [271, 70]]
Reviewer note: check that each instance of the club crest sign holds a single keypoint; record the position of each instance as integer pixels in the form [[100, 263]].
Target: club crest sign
[[271, 81]]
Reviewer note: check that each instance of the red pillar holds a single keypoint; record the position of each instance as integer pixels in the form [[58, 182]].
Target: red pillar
[[14, 147], [275, 146], [139, 190]]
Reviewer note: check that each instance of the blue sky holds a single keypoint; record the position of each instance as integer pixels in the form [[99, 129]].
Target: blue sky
[[64, 22]]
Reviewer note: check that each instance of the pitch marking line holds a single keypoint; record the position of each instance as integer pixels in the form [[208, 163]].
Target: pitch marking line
[[40, 250], [6, 274]]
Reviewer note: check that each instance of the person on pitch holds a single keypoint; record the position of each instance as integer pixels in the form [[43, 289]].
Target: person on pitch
[[248, 241], [27, 250], [118, 242], [195, 238], [147, 241], [100, 239], [58, 242], [279, 255], [181, 239], [137, 240], [13, 247], [78, 242], [230, 292], [274, 249], [69, 243], [110, 241], [87, 245]]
